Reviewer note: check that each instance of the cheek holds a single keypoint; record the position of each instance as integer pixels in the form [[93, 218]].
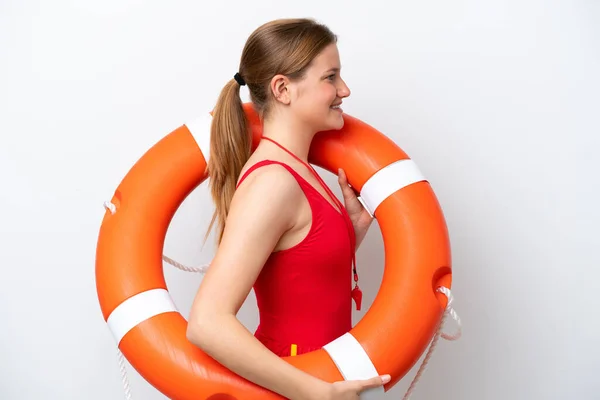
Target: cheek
[[315, 101], [327, 95], [331, 93]]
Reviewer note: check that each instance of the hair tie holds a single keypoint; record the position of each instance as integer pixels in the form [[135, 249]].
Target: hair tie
[[238, 78]]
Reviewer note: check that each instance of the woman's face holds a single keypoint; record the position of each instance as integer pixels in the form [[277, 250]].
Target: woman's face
[[315, 99]]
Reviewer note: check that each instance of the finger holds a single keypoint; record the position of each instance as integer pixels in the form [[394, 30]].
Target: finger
[[347, 190], [375, 382], [342, 177]]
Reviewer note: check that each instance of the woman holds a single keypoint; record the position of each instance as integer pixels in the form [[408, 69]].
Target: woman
[[281, 231]]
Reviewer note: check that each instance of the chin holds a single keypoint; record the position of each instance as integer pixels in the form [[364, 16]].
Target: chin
[[333, 124], [331, 127], [337, 125], [330, 123]]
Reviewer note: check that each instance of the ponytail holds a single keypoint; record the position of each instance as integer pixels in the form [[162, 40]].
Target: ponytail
[[283, 46], [230, 149]]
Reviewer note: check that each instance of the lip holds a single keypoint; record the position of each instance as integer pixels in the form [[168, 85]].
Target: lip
[[336, 109]]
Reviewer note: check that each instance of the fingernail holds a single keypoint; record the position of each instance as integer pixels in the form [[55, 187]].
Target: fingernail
[[386, 378]]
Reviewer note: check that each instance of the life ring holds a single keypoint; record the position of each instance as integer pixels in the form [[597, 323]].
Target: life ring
[[389, 339]]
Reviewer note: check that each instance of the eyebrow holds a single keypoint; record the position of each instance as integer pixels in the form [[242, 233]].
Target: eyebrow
[[333, 70]]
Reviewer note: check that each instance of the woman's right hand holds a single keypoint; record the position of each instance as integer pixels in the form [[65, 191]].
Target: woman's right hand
[[351, 390]]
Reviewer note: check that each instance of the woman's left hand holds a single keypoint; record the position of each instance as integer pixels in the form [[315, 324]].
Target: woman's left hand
[[361, 220]]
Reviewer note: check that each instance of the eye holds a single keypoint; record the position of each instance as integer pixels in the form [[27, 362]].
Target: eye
[[331, 77]]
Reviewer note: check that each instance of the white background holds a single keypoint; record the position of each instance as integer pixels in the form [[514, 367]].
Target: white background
[[497, 102]]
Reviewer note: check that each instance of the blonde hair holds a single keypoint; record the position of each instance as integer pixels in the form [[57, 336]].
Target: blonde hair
[[283, 46]]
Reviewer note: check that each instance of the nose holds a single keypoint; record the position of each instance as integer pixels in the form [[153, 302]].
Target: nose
[[343, 89]]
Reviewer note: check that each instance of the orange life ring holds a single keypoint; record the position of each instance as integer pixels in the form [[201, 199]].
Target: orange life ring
[[389, 339]]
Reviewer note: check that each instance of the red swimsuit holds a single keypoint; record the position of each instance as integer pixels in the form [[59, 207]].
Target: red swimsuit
[[304, 293]]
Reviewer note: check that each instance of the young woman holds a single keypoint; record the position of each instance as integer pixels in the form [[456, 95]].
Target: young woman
[[281, 231]]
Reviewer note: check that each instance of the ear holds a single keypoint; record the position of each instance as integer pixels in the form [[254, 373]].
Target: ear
[[280, 89]]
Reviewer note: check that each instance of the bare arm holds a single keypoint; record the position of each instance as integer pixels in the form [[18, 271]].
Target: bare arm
[[262, 210]]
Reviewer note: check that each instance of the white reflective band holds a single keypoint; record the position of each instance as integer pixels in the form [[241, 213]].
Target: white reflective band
[[137, 309], [200, 129], [388, 181], [353, 362]]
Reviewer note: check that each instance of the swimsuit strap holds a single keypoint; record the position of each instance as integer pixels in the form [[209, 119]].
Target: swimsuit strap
[[345, 215], [312, 171]]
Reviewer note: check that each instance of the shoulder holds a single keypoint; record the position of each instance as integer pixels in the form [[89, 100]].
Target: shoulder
[[270, 190], [272, 180], [267, 169]]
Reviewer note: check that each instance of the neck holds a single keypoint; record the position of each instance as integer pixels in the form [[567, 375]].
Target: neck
[[290, 135]]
